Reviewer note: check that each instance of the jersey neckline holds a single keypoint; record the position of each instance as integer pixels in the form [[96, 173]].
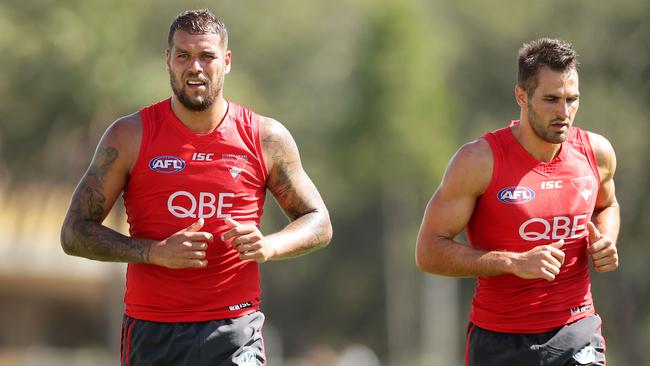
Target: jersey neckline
[[222, 128], [542, 167]]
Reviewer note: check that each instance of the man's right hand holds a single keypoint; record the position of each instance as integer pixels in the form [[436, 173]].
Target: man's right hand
[[543, 261], [183, 249]]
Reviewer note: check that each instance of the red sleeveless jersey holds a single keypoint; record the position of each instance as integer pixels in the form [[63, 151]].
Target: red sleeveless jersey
[[178, 178], [530, 203]]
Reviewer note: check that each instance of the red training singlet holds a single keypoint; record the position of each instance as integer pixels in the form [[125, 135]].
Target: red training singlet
[[179, 177], [530, 203]]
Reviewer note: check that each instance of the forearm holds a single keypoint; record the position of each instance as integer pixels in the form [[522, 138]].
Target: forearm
[[446, 257], [92, 240], [608, 221], [305, 234]]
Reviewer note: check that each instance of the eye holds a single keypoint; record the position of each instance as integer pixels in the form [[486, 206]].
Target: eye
[[182, 56]]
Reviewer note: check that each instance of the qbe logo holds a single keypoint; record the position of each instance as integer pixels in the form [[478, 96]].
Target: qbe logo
[[515, 195], [167, 164], [183, 204], [556, 228]]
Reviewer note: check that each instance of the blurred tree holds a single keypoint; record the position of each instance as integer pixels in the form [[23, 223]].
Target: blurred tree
[[378, 94], [395, 144]]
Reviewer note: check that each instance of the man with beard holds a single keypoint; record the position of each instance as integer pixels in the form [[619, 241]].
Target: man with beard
[[194, 170], [536, 200]]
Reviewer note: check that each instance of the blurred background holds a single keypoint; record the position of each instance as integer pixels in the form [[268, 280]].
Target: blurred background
[[377, 93]]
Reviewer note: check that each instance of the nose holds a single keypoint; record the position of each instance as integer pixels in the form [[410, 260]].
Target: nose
[[195, 65], [563, 110]]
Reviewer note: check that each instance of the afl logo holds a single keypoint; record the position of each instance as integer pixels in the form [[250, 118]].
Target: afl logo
[[516, 195], [167, 164]]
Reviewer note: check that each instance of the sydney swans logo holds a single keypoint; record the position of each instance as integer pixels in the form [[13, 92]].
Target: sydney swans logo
[[584, 186], [235, 164]]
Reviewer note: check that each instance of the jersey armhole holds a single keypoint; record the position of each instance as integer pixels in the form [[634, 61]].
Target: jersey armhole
[[591, 155], [257, 139], [496, 161], [145, 121]]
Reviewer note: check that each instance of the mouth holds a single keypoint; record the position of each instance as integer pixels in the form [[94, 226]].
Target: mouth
[[196, 84], [559, 125]]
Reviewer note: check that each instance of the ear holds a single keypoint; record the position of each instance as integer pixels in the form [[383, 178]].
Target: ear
[[521, 96], [168, 55], [227, 59]]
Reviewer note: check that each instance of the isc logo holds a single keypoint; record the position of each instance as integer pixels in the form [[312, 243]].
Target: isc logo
[[515, 194], [167, 164], [202, 156], [552, 184]]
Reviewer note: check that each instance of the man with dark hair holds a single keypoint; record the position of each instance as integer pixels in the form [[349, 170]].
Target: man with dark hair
[[194, 170], [536, 200]]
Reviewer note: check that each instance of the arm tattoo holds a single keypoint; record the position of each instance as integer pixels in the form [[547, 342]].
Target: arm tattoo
[[93, 193], [297, 196], [105, 159], [83, 234], [282, 186]]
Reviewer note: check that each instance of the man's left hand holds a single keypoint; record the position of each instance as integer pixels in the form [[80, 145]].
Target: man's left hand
[[602, 250], [248, 241]]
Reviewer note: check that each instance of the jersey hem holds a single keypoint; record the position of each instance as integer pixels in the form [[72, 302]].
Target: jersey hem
[[189, 317], [530, 329]]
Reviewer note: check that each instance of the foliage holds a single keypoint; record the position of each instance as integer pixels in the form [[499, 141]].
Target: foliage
[[378, 95]]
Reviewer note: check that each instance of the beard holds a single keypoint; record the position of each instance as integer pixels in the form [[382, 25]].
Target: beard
[[540, 130], [197, 103]]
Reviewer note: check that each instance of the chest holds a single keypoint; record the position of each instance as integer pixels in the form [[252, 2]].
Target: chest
[[534, 204]]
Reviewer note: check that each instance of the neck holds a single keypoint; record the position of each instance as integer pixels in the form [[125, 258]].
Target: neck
[[536, 147], [200, 122]]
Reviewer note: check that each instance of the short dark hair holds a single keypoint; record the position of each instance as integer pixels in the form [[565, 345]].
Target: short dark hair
[[200, 21], [556, 54]]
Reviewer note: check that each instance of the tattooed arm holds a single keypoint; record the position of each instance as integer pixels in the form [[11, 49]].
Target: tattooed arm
[[310, 226], [83, 234]]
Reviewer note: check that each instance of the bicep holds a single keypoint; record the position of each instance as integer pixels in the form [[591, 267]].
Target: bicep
[[287, 180], [102, 182], [606, 195], [296, 193], [466, 178], [99, 187], [448, 212], [606, 159]]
